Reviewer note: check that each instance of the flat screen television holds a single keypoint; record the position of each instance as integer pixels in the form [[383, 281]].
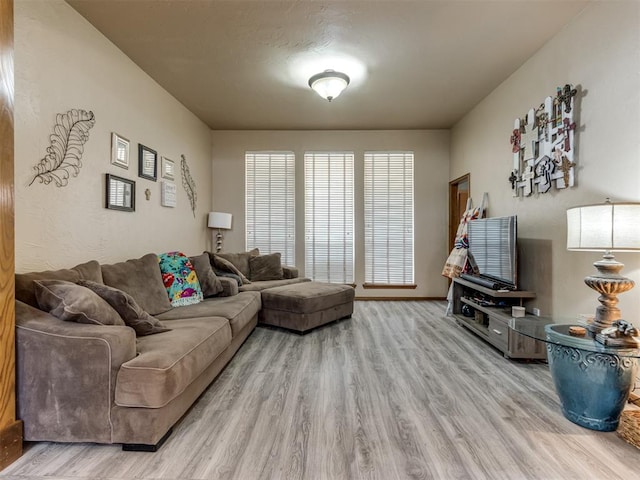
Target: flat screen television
[[492, 245]]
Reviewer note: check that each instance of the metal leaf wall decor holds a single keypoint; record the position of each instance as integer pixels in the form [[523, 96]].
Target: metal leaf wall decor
[[188, 184], [64, 155]]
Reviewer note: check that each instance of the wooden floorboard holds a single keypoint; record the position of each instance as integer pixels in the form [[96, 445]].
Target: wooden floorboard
[[399, 391]]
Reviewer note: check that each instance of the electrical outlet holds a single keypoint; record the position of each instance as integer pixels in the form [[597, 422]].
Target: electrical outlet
[[536, 312]]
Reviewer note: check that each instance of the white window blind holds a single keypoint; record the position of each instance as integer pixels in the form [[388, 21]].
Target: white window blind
[[388, 217], [270, 203], [328, 181]]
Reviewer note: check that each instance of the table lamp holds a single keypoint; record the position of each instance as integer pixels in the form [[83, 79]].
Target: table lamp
[[221, 221], [608, 227]]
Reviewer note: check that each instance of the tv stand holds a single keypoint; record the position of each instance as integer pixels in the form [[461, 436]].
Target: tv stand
[[492, 318]]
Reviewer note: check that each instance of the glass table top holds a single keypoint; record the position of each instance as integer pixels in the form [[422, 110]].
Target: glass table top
[[557, 333]]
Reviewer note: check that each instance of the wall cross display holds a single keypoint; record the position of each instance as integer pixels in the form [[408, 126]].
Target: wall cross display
[[543, 146]]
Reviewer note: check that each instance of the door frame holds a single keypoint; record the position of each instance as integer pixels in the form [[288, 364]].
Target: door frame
[[454, 206]]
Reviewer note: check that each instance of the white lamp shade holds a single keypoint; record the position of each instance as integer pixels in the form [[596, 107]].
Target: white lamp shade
[[329, 84], [607, 226], [219, 220]]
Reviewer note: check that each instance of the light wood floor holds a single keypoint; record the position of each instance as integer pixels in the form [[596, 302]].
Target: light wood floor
[[398, 392]]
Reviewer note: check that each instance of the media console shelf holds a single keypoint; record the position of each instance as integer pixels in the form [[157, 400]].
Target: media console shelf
[[492, 318]]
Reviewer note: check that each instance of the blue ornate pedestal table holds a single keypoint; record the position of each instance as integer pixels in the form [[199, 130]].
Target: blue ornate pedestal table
[[592, 380]]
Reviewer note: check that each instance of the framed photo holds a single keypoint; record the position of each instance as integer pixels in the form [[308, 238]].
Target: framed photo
[[168, 195], [147, 163], [121, 193], [168, 168], [119, 150]]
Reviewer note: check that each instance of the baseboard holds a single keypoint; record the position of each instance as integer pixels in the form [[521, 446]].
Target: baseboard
[[10, 444]]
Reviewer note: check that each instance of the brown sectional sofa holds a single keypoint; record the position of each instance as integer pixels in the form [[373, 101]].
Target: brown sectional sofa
[[81, 382]]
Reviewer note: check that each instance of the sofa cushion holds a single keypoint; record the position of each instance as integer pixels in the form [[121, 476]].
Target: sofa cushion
[[238, 309], [209, 282], [141, 279], [180, 279], [167, 364], [123, 303], [229, 269], [74, 303], [25, 288], [265, 267], [240, 260], [263, 285]]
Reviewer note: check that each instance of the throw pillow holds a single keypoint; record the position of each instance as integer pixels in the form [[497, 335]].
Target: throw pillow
[[209, 283], [140, 278], [180, 279], [266, 267], [127, 308], [240, 260], [226, 266], [74, 303], [25, 288]]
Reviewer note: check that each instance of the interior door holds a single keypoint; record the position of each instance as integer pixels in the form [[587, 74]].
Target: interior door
[[459, 191]]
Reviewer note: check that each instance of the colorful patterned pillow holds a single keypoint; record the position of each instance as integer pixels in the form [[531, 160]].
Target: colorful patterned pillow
[[180, 279]]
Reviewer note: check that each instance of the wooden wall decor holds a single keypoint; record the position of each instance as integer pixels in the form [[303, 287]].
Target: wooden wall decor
[[10, 427], [189, 184], [543, 146], [64, 155]]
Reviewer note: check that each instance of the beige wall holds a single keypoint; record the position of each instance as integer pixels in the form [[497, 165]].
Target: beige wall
[[431, 160], [62, 62], [599, 52]]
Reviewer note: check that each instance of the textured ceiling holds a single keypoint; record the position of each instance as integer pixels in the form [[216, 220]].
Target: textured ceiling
[[245, 64]]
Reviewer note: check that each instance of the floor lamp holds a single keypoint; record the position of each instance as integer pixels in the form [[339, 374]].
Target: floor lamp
[[220, 221]]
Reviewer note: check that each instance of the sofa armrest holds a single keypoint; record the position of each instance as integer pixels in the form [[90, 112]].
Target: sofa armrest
[[289, 272], [66, 374], [229, 285]]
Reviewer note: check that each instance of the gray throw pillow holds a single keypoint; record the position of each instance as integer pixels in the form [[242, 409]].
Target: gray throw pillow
[[226, 266], [124, 304], [25, 288], [240, 260], [266, 267], [74, 303], [209, 283], [140, 278]]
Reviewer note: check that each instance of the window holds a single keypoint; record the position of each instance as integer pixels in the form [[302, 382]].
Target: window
[[388, 218], [270, 203], [328, 186]]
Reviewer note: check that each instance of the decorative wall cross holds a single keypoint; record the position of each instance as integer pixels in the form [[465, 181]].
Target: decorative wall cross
[[543, 146], [566, 97]]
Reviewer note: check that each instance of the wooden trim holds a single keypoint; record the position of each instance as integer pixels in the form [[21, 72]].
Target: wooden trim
[[10, 444], [10, 428], [401, 299], [387, 285]]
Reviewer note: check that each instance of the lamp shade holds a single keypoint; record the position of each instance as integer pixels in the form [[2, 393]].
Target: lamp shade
[[219, 220], [604, 227], [329, 84]]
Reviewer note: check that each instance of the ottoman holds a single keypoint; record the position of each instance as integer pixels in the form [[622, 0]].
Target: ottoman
[[303, 306]]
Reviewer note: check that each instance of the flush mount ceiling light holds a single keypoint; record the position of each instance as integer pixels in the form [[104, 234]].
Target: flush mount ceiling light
[[329, 84]]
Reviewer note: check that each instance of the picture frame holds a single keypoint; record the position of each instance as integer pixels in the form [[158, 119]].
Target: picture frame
[[120, 193], [147, 163], [168, 168], [119, 150], [168, 194]]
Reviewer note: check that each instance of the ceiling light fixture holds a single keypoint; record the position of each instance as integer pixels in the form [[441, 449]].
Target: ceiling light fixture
[[329, 84]]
